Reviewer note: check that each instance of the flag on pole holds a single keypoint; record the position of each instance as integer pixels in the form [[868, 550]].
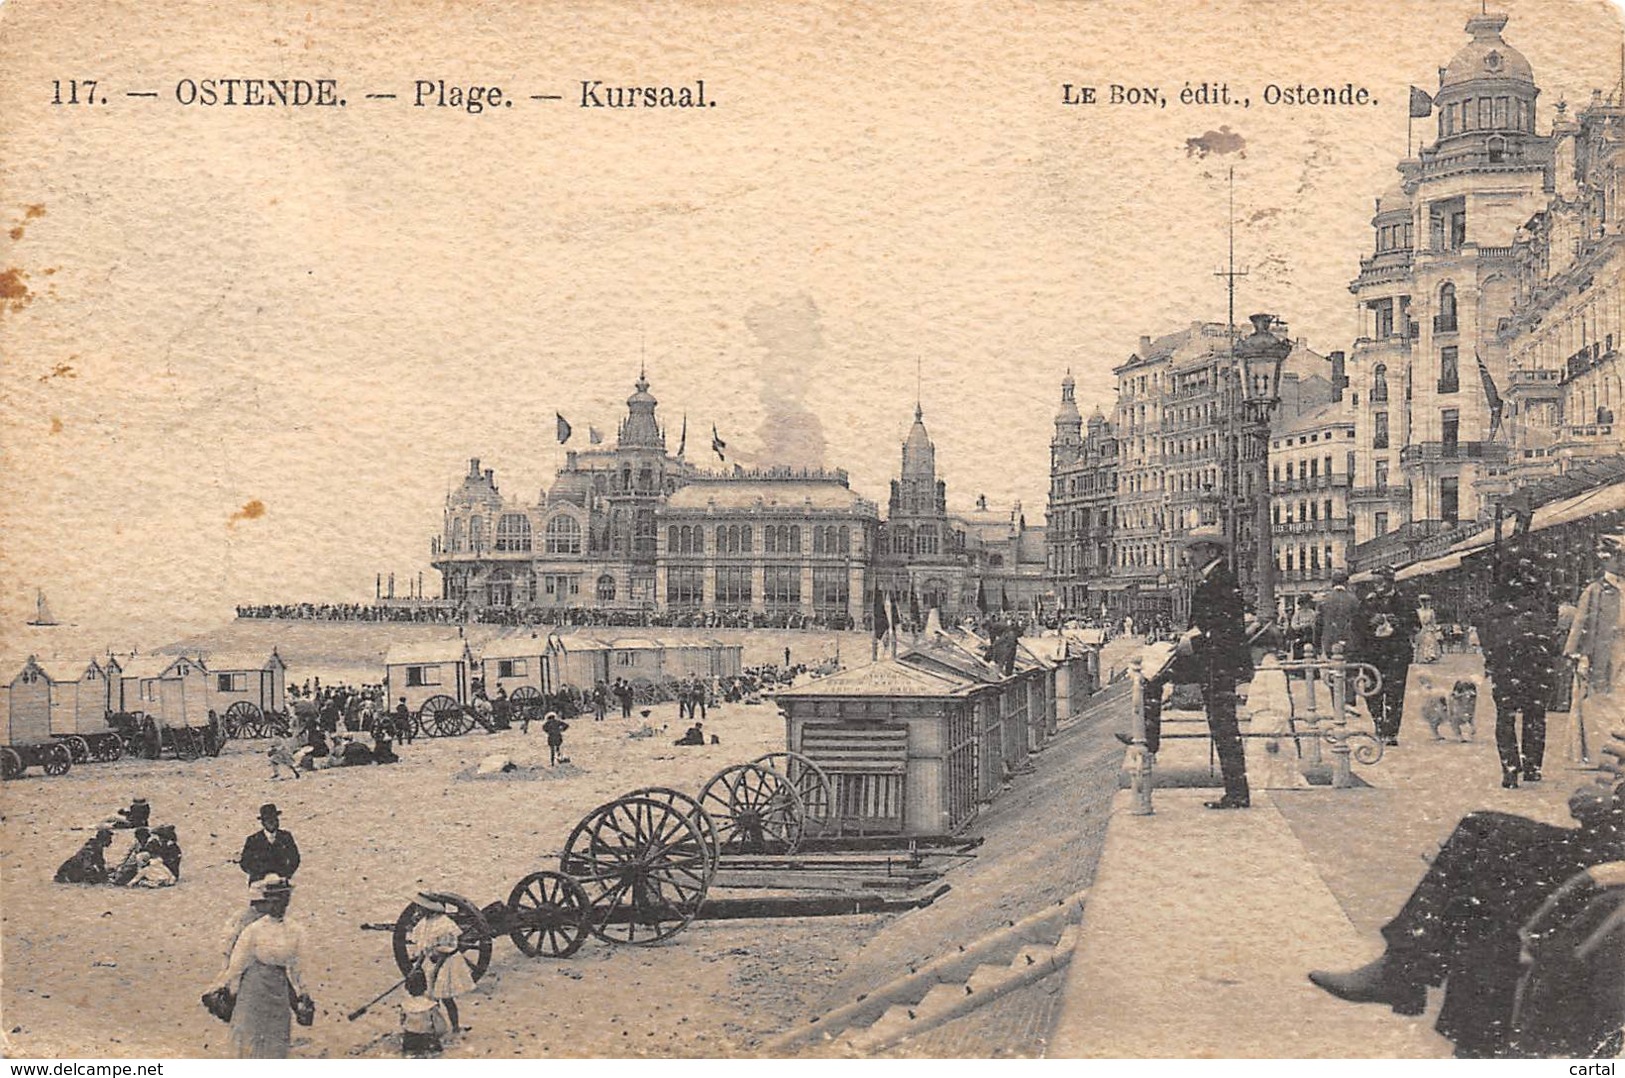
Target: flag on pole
[[1490, 394], [717, 444], [1004, 598], [891, 618], [563, 426], [682, 443], [981, 598], [882, 624], [594, 435], [1421, 103]]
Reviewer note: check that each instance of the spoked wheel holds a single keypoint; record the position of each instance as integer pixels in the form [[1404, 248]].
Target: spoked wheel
[[643, 864], [550, 914], [644, 692], [57, 760], [813, 784], [756, 809], [78, 747], [473, 942], [108, 748], [690, 807], [441, 716], [186, 746], [11, 764], [243, 719]]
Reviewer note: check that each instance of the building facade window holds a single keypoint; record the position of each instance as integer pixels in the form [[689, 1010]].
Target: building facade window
[[1447, 322], [563, 535], [733, 585], [1450, 430], [605, 589], [781, 585], [1449, 370], [1379, 384], [513, 533], [1379, 430], [685, 585], [1450, 499]]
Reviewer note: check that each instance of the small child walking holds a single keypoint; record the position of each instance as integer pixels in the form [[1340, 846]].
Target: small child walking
[[554, 727], [423, 1020]]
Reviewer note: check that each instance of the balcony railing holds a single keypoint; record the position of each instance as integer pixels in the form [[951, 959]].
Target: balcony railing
[[1428, 452], [1444, 324], [1314, 482], [1388, 492], [1334, 525]]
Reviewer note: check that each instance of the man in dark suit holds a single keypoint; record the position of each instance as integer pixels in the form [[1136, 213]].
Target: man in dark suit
[[1334, 621], [1214, 653], [1217, 642], [270, 851], [1385, 635]]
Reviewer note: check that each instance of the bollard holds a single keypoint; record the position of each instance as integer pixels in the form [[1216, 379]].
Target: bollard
[[1311, 674], [1142, 764], [1342, 772]]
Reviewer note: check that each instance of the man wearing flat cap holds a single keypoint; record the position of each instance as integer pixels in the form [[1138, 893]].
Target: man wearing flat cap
[[270, 850]]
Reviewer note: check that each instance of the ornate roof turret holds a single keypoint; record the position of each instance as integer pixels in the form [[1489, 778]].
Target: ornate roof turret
[[478, 488], [640, 430], [919, 455], [1487, 56], [1068, 421]]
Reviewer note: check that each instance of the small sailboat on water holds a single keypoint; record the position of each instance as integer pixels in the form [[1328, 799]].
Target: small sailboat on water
[[42, 612]]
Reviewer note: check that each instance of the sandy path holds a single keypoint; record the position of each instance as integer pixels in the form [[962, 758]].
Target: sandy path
[[100, 971]]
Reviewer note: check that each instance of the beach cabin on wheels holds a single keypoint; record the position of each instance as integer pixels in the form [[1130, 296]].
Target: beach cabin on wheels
[[173, 689], [899, 743], [61, 698], [520, 667], [700, 658], [244, 688], [436, 671], [579, 661]]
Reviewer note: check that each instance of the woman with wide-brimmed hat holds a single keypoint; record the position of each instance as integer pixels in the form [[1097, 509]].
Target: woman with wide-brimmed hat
[[263, 974]]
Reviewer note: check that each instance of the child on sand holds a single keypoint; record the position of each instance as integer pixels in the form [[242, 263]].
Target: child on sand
[[554, 727], [423, 1020]]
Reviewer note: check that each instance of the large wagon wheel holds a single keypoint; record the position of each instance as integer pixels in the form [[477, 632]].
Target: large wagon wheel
[[441, 716], [186, 746], [274, 724], [756, 809], [643, 865], [57, 759], [813, 783], [79, 747], [550, 914], [473, 942], [644, 692], [11, 763], [242, 719], [689, 807], [528, 703], [109, 747]]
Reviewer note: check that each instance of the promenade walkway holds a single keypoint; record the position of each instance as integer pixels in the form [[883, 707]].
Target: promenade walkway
[[1201, 925]]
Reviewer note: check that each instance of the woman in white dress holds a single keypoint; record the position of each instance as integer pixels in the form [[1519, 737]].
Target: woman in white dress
[[264, 975], [1429, 638]]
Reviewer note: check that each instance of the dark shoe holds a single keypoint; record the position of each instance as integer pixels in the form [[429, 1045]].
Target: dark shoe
[[1374, 983], [1124, 738], [1392, 742], [1531, 774], [1509, 780], [1228, 803]]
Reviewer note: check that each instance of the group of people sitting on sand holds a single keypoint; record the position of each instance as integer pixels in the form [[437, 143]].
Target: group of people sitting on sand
[[153, 858]]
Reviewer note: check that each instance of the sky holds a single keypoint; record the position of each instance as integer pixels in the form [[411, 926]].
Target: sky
[[245, 352]]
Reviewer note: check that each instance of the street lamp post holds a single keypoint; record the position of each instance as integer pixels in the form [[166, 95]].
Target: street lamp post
[[1259, 359]]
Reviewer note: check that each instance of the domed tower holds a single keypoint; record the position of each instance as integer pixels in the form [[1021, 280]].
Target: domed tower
[[1486, 98], [643, 476], [919, 455], [1068, 440], [1467, 194]]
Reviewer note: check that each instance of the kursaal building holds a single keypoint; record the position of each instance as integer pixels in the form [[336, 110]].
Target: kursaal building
[[635, 527]]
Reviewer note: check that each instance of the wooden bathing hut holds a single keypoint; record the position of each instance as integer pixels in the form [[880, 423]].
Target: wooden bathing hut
[[173, 689], [60, 697], [427, 670], [247, 685], [898, 741], [579, 661], [520, 666]]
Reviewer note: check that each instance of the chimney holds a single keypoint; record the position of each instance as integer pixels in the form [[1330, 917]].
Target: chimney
[[490, 476], [1340, 378], [1145, 346], [474, 466]]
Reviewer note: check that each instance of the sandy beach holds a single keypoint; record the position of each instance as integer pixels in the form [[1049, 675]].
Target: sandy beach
[[100, 971]]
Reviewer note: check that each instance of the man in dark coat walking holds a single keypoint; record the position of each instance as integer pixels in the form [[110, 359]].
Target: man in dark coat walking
[[270, 851], [1518, 631], [1384, 637]]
